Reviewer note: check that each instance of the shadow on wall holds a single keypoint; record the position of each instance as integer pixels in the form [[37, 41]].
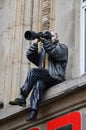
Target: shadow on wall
[[1, 105]]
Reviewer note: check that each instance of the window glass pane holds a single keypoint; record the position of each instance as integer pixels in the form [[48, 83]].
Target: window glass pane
[[85, 39]]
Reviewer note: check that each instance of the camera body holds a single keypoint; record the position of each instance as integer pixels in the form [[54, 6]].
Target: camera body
[[31, 35]]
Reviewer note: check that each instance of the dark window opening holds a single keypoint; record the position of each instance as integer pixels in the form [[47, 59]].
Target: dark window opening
[[68, 127]]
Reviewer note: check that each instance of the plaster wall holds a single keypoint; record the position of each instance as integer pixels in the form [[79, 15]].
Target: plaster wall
[[67, 24]]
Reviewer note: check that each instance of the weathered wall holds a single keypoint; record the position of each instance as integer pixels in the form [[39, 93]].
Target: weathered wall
[[67, 24], [15, 19]]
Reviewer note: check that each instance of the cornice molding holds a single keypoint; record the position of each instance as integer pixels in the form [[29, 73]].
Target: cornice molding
[[58, 100], [46, 14]]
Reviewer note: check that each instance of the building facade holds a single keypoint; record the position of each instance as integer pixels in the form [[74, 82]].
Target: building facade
[[68, 19]]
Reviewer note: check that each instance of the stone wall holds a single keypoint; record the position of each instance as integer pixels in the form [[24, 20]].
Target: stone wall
[[16, 18], [67, 24]]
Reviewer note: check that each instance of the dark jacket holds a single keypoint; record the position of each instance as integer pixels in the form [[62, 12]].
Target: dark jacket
[[57, 57]]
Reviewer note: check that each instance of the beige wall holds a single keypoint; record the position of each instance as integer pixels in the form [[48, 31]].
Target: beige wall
[[67, 24], [17, 16]]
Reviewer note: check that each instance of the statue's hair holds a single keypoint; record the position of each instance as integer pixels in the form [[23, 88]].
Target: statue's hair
[[53, 33]]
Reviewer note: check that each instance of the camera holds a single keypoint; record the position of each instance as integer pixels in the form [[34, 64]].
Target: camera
[[31, 35]]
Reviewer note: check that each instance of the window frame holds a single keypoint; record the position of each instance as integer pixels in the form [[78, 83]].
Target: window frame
[[82, 43]]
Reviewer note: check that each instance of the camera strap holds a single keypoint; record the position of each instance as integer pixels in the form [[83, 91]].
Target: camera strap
[[44, 59]]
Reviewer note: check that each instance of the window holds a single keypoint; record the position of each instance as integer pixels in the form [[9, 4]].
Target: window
[[83, 38], [68, 127]]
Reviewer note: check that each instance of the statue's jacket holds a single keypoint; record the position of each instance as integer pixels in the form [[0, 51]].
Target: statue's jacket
[[57, 57]]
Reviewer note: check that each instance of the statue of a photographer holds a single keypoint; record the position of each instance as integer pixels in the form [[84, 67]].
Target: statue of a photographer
[[51, 60]]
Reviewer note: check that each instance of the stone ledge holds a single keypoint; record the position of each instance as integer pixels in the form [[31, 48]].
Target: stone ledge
[[55, 92]]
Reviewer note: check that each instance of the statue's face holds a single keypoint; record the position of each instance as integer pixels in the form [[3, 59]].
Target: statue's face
[[54, 36]]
